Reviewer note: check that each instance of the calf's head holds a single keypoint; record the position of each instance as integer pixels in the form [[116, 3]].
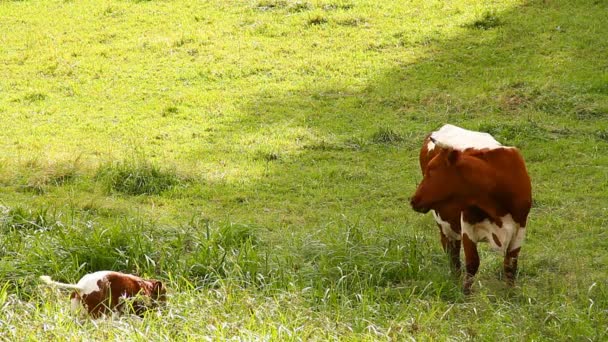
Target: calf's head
[[451, 175], [154, 293]]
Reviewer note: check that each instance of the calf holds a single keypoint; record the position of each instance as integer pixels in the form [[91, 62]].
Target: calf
[[106, 291], [477, 190]]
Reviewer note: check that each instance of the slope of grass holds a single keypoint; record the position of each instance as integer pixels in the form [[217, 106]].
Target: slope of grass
[[258, 156]]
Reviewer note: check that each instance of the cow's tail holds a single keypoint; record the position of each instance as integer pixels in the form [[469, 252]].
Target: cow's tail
[[46, 279]]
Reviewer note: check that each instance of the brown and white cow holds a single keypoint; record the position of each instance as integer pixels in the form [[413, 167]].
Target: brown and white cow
[[477, 190]]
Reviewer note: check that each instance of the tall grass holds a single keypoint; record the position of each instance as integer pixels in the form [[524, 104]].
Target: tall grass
[[351, 260], [340, 273]]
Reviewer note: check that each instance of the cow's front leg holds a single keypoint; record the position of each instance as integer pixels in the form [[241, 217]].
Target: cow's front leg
[[471, 259], [452, 248]]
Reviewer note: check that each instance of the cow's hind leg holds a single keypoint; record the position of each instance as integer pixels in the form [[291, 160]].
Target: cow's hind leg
[[510, 266], [471, 260], [510, 262], [452, 248]]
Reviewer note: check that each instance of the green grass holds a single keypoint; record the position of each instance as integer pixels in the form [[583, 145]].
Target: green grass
[[137, 178], [258, 157]]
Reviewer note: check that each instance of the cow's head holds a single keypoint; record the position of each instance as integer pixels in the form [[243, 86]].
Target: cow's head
[[451, 175]]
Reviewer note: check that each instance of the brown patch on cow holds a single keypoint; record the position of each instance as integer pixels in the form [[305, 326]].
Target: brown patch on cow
[[496, 240], [474, 215]]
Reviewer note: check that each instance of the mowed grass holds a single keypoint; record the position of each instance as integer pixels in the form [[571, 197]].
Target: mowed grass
[[258, 157]]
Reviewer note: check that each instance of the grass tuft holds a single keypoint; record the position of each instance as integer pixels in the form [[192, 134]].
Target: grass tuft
[[269, 156], [183, 41], [265, 5], [236, 236], [324, 145], [137, 177], [299, 6], [316, 19], [602, 134], [169, 111], [112, 12], [35, 97], [488, 21], [591, 112], [337, 5], [350, 20], [385, 135]]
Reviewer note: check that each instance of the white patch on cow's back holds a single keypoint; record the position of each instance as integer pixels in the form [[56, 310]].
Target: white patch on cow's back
[[446, 228], [510, 234], [88, 283], [462, 139]]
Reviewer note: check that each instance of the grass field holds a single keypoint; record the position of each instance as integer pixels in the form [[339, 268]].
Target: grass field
[[258, 156]]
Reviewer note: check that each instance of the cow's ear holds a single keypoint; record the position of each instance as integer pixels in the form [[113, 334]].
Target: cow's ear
[[452, 157]]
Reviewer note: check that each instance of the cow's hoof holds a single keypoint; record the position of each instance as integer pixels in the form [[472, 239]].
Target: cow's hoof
[[466, 286]]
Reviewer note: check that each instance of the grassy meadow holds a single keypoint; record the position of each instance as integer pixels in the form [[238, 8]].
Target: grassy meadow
[[258, 156]]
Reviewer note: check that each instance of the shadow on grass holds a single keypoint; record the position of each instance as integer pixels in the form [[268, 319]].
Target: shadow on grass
[[537, 65]]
